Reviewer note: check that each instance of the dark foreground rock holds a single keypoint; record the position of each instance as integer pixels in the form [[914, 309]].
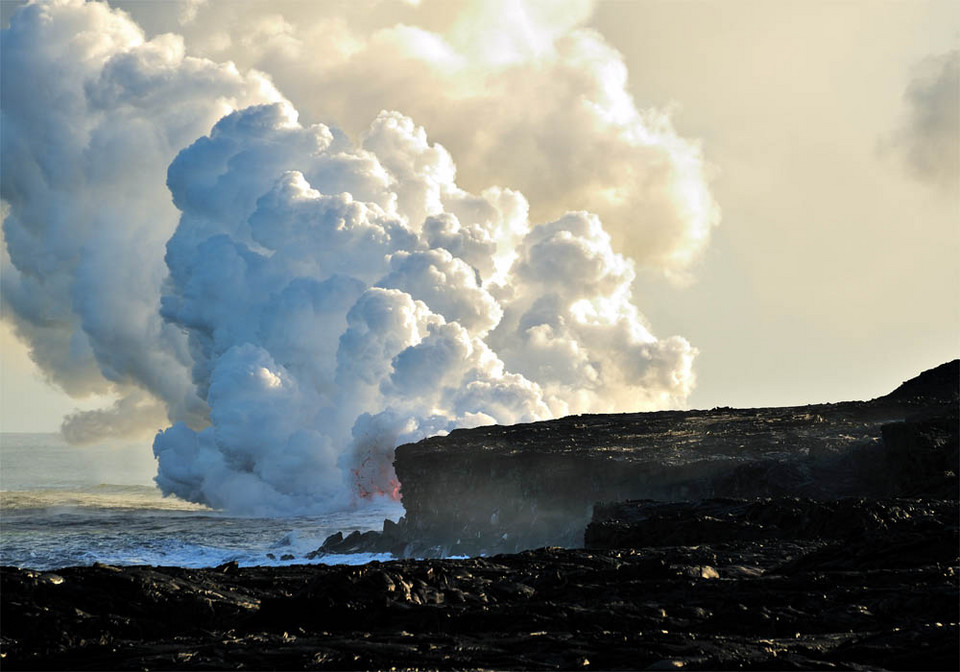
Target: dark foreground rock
[[819, 537], [766, 589], [639, 524]]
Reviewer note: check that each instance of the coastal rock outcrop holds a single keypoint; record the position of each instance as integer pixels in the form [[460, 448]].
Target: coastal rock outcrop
[[504, 489]]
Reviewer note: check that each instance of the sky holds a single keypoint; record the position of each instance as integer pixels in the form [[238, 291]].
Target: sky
[[769, 199], [832, 275]]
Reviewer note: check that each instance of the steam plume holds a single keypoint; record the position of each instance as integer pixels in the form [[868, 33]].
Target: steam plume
[[319, 300], [326, 311], [492, 80], [92, 114]]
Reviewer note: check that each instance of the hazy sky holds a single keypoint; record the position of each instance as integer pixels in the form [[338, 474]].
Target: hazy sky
[[829, 138], [833, 274]]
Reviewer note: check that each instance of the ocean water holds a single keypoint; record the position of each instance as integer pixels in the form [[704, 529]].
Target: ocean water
[[63, 505]]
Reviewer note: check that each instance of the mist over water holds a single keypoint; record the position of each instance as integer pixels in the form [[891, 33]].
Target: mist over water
[[309, 300], [61, 506]]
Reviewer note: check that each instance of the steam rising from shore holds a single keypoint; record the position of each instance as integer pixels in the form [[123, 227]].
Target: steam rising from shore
[[326, 309], [320, 300]]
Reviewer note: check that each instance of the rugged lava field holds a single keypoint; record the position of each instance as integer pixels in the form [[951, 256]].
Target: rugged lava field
[[822, 537], [879, 592]]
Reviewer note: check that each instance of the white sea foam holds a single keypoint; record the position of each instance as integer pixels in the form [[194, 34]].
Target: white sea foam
[[85, 521]]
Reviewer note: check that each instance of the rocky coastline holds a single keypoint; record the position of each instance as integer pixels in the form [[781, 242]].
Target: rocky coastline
[[817, 537], [499, 489]]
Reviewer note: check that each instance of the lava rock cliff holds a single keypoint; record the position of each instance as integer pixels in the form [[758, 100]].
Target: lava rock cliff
[[505, 489]]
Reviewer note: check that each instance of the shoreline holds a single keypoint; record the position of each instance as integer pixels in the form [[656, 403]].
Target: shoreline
[[765, 539], [761, 590]]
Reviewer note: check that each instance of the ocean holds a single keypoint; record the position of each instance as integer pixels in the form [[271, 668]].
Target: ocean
[[63, 505]]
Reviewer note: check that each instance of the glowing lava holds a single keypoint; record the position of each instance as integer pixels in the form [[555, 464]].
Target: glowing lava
[[376, 478]]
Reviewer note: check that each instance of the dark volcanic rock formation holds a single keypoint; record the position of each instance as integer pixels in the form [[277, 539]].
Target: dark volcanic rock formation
[[505, 489], [644, 523], [817, 537]]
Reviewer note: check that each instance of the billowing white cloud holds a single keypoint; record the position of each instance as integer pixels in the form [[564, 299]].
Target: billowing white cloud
[[929, 139], [571, 324], [447, 284], [321, 299], [92, 114], [342, 313], [521, 92]]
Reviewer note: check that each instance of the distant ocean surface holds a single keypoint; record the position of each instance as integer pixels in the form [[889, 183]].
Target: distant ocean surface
[[63, 505]]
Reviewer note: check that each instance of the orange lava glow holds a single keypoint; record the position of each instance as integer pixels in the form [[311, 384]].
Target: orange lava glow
[[376, 478]]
